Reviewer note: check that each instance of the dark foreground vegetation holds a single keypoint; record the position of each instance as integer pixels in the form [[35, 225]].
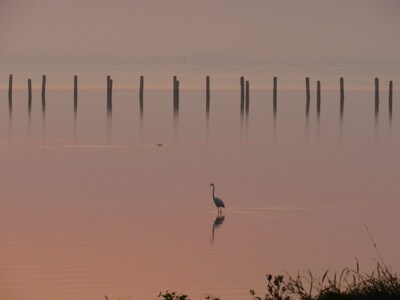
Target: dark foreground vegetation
[[347, 285]]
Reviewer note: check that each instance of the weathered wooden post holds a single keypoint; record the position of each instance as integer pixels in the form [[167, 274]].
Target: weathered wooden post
[[44, 92], [275, 94], [242, 94], [390, 97], [308, 96], [207, 94], [111, 88], [376, 95], [247, 96], [109, 93], [75, 93], [318, 98], [341, 95], [10, 86], [175, 93], [141, 91], [29, 94], [108, 88]]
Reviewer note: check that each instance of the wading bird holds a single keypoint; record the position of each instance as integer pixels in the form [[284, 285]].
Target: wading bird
[[218, 202]]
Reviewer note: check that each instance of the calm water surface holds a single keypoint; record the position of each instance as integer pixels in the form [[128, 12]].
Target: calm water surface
[[91, 205]]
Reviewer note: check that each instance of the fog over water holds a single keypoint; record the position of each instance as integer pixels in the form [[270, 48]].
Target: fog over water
[[208, 32]]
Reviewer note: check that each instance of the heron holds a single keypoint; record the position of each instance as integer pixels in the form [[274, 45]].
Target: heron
[[218, 202]]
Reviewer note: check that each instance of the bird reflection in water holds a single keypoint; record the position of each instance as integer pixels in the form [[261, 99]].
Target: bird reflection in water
[[219, 220], [220, 217]]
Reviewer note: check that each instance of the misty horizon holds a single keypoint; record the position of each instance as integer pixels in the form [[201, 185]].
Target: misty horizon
[[198, 60], [208, 33]]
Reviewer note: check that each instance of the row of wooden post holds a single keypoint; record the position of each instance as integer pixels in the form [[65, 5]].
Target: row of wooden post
[[377, 100], [244, 94], [43, 94]]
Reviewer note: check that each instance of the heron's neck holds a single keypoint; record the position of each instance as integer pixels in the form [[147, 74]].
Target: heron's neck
[[213, 192]]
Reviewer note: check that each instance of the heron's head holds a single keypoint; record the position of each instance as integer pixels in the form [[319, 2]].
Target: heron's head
[[212, 184]]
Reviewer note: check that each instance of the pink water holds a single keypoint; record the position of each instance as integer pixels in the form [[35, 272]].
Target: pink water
[[91, 205]]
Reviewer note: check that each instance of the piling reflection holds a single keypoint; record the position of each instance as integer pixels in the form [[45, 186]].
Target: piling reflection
[[176, 122], [43, 125], [274, 126], [75, 124], [29, 108], [376, 126], [10, 124], [307, 127], [109, 122], [141, 125], [390, 124], [219, 220], [341, 122], [29, 95], [207, 124]]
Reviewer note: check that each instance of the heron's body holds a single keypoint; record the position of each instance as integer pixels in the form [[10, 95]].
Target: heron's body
[[218, 202]]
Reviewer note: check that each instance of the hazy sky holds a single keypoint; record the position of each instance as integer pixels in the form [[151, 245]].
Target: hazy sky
[[206, 31]]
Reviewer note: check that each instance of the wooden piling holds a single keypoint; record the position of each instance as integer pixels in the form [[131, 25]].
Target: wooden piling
[[75, 93], [318, 97], [43, 92], [247, 96], [108, 88], [241, 93], [175, 97], [376, 95], [308, 96], [110, 100], [176, 94], [109, 93], [10, 86], [275, 94], [29, 94], [390, 97], [207, 94], [341, 95], [141, 91]]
